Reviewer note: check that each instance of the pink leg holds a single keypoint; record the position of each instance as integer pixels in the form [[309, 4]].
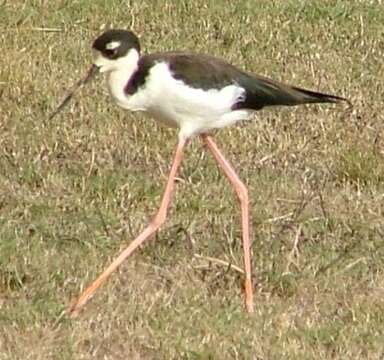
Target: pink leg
[[154, 225], [242, 193]]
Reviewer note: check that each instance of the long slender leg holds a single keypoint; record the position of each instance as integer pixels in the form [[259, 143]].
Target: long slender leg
[[242, 194], [153, 226]]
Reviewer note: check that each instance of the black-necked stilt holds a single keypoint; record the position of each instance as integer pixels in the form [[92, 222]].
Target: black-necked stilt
[[197, 94]]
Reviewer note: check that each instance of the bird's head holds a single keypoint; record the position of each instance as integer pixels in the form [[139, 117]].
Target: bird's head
[[115, 48]]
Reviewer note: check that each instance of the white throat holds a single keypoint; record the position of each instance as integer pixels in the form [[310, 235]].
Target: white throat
[[119, 72]]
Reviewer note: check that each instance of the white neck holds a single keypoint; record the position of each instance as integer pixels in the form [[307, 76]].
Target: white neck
[[119, 72]]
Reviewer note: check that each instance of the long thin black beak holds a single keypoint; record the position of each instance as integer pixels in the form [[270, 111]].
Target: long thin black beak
[[93, 70]]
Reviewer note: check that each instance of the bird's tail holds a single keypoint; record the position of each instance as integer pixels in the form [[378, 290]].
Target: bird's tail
[[262, 91], [307, 97]]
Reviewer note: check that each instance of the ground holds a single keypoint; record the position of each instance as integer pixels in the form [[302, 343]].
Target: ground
[[76, 189]]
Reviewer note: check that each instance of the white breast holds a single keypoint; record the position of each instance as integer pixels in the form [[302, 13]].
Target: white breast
[[176, 104]]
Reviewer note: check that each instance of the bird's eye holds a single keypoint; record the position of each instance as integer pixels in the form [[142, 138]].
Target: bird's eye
[[110, 50], [110, 53]]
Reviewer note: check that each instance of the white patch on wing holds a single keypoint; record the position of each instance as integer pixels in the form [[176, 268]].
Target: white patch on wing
[[176, 104], [113, 45]]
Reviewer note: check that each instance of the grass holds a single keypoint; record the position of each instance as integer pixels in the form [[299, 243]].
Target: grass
[[75, 190]]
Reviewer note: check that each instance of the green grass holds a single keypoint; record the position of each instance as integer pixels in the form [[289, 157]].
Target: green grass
[[75, 190]]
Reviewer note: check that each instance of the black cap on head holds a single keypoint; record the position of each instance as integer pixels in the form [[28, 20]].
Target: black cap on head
[[116, 43]]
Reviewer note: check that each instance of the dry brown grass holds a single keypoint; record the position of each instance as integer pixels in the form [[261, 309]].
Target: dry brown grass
[[74, 191]]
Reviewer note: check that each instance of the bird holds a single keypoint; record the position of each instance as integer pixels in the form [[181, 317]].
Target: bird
[[196, 94]]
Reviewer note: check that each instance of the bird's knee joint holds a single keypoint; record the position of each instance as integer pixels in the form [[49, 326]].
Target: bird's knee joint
[[242, 192], [157, 221]]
